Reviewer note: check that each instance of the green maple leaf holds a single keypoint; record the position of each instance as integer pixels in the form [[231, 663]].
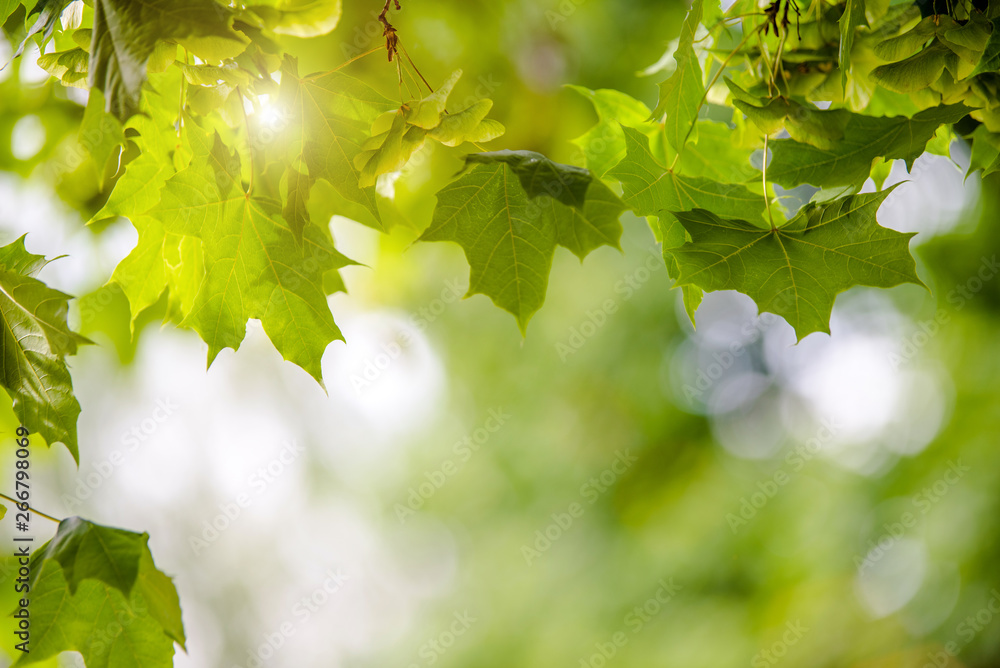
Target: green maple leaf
[[300, 18], [35, 340], [913, 40], [714, 155], [682, 93], [87, 550], [649, 187], [985, 151], [604, 144], [96, 590], [797, 270], [508, 213], [333, 114], [126, 33], [296, 212], [866, 138], [990, 61], [254, 265], [540, 176], [853, 18], [7, 8], [142, 274], [138, 189], [48, 12], [101, 134]]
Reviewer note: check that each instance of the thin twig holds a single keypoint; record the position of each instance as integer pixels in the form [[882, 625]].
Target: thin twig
[[34, 510], [708, 88]]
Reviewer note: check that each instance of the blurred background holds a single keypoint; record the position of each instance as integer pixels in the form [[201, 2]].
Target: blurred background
[[618, 488]]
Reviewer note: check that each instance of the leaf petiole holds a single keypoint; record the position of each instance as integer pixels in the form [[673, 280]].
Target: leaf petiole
[[34, 510]]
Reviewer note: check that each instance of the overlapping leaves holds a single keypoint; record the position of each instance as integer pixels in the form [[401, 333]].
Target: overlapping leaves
[[796, 271], [96, 590], [34, 344], [254, 267], [510, 210]]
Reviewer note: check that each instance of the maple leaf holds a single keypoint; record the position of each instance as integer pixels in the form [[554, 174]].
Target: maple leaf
[[333, 114], [797, 270], [848, 162], [509, 212], [253, 265], [34, 343], [682, 93], [126, 33], [96, 590]]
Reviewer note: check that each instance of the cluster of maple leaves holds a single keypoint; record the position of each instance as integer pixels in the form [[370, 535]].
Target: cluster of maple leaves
[[229, 162]]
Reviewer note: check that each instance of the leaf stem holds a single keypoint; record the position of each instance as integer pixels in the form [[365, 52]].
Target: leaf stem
[[180, 99], [708, 88], [778, 69], [343, 64], [246, 121], [34, 510], [414, 66], [767, 200]]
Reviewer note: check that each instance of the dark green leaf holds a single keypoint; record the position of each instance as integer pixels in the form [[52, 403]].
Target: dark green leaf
[[35, 339], [990, 61], [86, 550], [96, 590], [649, 187], [797, 271], [540, 176], [509, 223], [865, 138]]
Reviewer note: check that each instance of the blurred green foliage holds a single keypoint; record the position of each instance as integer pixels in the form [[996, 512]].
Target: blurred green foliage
[[664, 519]]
